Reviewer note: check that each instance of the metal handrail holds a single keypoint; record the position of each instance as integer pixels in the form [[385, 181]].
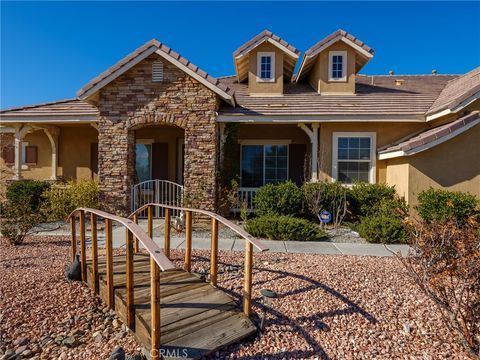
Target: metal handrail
[[235, 228], [153, 249]]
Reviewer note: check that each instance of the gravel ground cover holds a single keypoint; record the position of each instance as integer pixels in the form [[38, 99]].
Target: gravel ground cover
[[328, 307], [43, 316]]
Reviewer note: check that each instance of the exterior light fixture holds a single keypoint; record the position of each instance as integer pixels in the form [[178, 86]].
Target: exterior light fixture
[[267, 295]]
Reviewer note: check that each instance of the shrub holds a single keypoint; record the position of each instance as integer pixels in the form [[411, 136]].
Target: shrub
[[442, 205], [27, 192], [445, 264], [364, 197], [386, 222], [281, 199], [329, 196], [382, 228], [284, 228], [61, 200], [17, 220]]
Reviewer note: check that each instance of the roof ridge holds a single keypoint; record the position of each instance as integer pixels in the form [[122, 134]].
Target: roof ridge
[[23, 107]]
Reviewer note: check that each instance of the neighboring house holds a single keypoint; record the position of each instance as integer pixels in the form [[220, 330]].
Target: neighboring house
[[155, 115]]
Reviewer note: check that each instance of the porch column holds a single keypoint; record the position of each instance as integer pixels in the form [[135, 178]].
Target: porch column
[[20, 133], [313, 135], [52, 134]]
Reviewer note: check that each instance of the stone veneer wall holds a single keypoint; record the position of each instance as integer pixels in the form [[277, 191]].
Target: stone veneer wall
[[133, 101]]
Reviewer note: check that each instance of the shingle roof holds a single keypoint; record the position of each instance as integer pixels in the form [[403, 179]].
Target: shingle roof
[[456, 91], [241, 61], [151, 46], [374, 95], [67, 107], [256, 40], [312, 53], [414, 141]]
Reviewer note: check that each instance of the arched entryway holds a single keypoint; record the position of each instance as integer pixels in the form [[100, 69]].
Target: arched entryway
[[159, 165]]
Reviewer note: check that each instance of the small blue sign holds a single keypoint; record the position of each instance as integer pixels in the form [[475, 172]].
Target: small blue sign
[[325, 217]]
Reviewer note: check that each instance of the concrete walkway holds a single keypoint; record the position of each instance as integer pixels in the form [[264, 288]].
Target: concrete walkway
[[237, 244]]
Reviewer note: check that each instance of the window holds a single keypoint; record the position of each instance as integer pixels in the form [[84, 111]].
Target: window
[[157, 71], [263, 163], [353, 157], [266, 66], [338, 62], [143, 160]]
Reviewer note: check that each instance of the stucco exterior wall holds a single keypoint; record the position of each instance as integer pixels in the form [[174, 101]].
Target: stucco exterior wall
[[386, 133], [73, 153], [275, 132], [319, 74], [453, 165], [264, 87], [397, 174], [133, 101]]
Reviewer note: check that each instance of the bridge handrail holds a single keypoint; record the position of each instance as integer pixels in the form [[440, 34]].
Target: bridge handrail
[[235, 228], [153, 249]]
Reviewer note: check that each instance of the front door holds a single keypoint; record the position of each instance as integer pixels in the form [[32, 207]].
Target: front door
[[151, 161]]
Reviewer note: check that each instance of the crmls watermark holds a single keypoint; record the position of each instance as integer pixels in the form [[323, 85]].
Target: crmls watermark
[[179, 353]]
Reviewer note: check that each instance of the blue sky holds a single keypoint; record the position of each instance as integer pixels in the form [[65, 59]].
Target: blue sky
[[51, 49]]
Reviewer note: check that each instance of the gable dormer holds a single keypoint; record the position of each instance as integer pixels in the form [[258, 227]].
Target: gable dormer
[[331, 64], [265, 62]]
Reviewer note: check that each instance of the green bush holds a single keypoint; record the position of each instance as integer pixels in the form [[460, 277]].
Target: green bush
[[281, 199], [284, 228], [383, 228], [27, 193], [364, 197], [61, 200], [441, 205], [18, 219], [386, 222], [320, 196]]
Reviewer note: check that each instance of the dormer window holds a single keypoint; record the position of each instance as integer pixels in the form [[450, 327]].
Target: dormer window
[[266, 66], [338, 66]]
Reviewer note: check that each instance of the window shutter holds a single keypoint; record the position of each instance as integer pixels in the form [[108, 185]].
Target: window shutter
[[297, 155], [9, 154], [157, 71], [31, 154]]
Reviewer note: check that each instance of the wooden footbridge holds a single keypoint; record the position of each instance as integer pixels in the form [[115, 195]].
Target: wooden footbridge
[[173, 313]]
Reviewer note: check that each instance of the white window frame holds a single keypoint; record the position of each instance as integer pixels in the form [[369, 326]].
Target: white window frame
[[263, 143], [372, 177], [259, 66], [331, 54]]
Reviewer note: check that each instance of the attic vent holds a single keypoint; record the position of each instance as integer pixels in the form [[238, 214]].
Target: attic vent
[[157, 71], [399, 82]]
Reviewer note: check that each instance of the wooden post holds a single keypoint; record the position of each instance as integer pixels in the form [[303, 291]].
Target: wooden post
[[150, 221], [135, 245], [247, 291], [83, 250], [188, 241], [166, 241], [73, 220], [93, 225], [109, 255], [129, 281], [214, 253], [155, 308]]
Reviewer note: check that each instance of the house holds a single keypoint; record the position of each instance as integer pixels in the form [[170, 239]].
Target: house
[[156, 115]]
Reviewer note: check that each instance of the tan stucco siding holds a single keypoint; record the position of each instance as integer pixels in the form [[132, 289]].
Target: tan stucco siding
[[453, 165], [165, 134], [386, 133], [260, 88], [397, 174], [73, 154], [319, 74], [273, 132]]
